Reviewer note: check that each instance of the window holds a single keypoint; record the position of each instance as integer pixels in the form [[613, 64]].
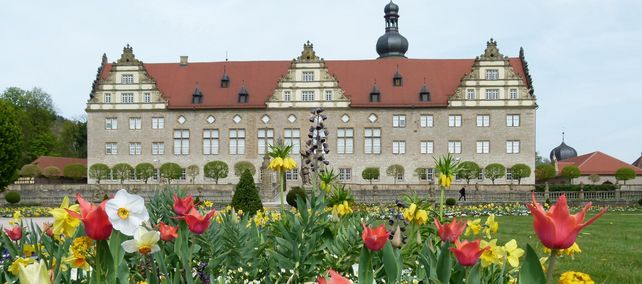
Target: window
[[509, 174], [127, 98], [372, 141], [237, 141], [481, 175], [483, 147], [345, 174], [111, 123], [158, 122], [287, 96], [158, 148], [492, 94], [425, 120], [512, 120], [292, 174], [492, 74], [135, 148], [210, 141], [183, 175], [470, 94], [512, 147], [426, 147], [483, 120], [181, 142], [107, 98], [308, 75], [345, 140], [135, 122], [454, 147], [426, 174], [127, 79], [513, 94], [266, 138], [243, 97], [293, 138], [111, 148], [398, 147], [147, 97], [399, 121], [375, 97], [454, 120], [307, 96], [328, 95]]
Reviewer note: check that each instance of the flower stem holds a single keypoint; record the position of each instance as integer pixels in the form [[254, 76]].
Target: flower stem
[[441, 203], [282, 187], [551, 265]]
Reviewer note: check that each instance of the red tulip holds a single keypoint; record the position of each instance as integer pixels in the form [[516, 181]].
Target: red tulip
[[450, 232], [48, 229], [183, 206], [374, 239], [467, 253], [15, 234], [335, 278], [196, 222], [557, 228], [167, 232], [95, 219]]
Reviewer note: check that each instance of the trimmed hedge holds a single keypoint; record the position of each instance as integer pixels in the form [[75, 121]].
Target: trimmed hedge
[[12, 196], [576, 187], [292, 195]]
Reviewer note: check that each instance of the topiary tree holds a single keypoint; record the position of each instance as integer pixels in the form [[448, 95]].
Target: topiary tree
[[99, 172], [30, 170], [594, 178], [520, 171], [451, 202], [494, 171], [122, 171], [10, 143], [216, 170], [293, 194], [544, 172], [469, 170], [145, 171], [192, 172], [370, 174], [240, 167], [51, 173], [171, 171], [624, 174], [75, 171], [421, 173], [12, 196], [571, 172], [246, 197], [395, 171]]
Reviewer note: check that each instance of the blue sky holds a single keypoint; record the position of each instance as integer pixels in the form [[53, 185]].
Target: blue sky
[[584, 55]]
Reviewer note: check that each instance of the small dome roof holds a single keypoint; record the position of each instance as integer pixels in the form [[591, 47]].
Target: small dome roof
[[392, 43], [391, 8], [563, 152]]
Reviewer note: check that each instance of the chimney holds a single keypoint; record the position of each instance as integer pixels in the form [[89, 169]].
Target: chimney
[[184, 60]]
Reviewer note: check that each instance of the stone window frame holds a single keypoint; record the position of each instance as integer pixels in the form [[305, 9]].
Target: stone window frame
[[513, 120], [135, 123], [345, 174], [158, 122], [308, 96], [455, 120], [264, 138], [111, 123], [513, 146], [398, 147], [471, 94], [345, 135], [237, 141], [492, 94], [181, 141], [292, 174], [211, 141], [483, 147], [307, 76], [147, 97], [127, 79], [329, 96], [398, 120], [513, 93], [107, 98], [454, 146], [424, 119], [111, 148], [289, 138], [426, 147], [492, 74], [158, 148], [135, 148], [287, 96], [483, 120], [127, 98], [371, 137]]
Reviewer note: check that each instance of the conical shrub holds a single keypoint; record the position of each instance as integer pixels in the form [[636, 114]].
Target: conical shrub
[[246, 197]]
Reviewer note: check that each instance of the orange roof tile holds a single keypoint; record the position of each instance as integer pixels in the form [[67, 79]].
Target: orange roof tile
[[598, 163], [60, 162]]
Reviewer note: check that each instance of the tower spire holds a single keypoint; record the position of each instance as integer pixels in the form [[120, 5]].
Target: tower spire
[[391, 43]]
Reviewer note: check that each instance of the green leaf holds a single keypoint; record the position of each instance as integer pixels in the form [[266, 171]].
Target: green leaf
[[365, 266], [390, 263], [531, 271], [444, 264], [474, 275]]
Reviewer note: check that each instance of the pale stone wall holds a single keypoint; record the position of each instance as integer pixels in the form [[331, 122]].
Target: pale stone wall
[[585, 179]]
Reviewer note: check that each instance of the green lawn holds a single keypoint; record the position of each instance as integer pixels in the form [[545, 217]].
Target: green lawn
[[611, 247]]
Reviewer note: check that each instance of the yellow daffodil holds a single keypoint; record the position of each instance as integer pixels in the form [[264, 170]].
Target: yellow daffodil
[[81, 249], [28, 250], [494, 255], [491, 226], [17, 216], [341, 209], [573, 277], [64, 223], [35, 273], [473, 227], [570, 251], [513, 253], [409, 213], [145, 242], [77, 261], [14, 268]]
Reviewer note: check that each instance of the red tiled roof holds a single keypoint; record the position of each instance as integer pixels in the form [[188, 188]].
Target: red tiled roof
[[60, 162], [356, 78], [597, 163]]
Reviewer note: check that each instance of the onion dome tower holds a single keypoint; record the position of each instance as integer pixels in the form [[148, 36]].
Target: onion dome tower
[[562, 152], [392, 43]]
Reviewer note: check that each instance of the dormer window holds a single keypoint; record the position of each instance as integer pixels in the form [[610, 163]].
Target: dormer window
[[397, 80], [424, 94], [243, 95], [197, 97], [375, 95], [225, 81]]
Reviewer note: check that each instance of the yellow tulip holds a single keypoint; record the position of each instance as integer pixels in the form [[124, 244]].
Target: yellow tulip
[[35, 273]]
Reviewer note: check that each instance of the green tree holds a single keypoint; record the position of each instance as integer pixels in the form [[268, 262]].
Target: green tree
[[494, 171], [241, 166], [30, 170], [370, 174], [571, 172], [594, 178], [520, 171], [216, 170], [171, 171], [544, 172], [395, 171], [75, 171], [99, 172], [51, 173], [539, 160], [144, 171], [192, 172], [72, 140], [10, 143], [469, 170], [246, 197], [421, 173], [122, 171], [624, 174]]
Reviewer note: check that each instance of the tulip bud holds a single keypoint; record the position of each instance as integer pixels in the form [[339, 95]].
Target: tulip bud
[[396, 240]]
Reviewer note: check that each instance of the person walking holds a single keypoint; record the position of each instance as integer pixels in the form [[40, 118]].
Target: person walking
[[462, 193]]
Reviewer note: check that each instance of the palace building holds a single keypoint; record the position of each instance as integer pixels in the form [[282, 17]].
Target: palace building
[[383, 111]]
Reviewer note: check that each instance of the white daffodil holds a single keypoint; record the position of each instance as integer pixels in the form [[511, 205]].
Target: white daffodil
[[144, 242], [126, 212], [35, 273]]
